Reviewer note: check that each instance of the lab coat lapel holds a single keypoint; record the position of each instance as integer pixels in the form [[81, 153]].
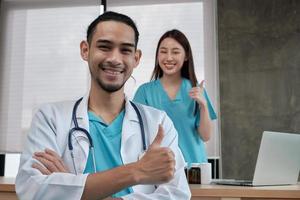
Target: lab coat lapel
[[81, 140], [131, 144], [82, 113]]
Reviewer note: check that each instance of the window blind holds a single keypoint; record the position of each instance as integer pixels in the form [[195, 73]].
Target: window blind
[[40, 62]]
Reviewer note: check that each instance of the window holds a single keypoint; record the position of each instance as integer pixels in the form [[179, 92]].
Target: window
[[40, 62], [196, 19]]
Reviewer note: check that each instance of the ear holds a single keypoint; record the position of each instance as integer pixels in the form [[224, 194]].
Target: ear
[[84, 50], [137, 57]]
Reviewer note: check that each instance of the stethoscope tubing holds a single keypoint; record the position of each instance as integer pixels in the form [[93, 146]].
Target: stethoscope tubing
[[91, 144]]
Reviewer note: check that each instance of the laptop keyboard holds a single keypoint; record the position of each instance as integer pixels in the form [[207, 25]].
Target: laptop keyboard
[[233, 182]]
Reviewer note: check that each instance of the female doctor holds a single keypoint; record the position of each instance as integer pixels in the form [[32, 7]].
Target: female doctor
[[111, 147]]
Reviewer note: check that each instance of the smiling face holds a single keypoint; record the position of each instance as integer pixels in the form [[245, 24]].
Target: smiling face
[[111, 55], [171, 57]]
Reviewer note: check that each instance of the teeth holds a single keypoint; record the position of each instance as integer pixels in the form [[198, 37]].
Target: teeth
[[112, 72], [169, 65]]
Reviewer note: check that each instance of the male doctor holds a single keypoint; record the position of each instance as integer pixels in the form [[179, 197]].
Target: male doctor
[[108, 161]]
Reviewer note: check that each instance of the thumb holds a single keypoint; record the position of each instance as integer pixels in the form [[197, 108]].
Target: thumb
[[201, 84], [159, 137]]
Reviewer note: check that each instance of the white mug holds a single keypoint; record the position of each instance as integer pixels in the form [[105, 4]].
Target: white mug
[[205, 173]]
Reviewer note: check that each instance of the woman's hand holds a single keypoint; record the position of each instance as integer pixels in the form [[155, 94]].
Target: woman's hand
[[197, 93], [50, 162], [205, 125]]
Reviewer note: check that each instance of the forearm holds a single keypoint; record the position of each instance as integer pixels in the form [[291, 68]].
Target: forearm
[[103, 184], [110, 198], [205, 124]]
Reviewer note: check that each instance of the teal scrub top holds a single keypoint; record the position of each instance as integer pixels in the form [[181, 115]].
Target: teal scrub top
[[107, 145], [181, 110]]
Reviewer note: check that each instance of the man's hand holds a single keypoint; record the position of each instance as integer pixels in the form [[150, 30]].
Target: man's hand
[[51, 162], [156, 166], [158, 163]]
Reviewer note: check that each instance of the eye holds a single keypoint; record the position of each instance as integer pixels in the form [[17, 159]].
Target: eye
[[104, 47], [162, 51], [126, 50]]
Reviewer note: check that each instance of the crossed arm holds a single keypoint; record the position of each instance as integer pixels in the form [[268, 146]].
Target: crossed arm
[[156, 166]]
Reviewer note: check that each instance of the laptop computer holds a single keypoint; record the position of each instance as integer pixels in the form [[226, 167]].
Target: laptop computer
[[278, 161]]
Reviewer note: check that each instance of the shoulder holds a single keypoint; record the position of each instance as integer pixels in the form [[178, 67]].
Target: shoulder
[[148, 85], [145, 92], [55, 109], [187, 83], [57, 106], [53, 117]]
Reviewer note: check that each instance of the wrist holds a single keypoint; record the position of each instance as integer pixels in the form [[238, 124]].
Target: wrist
[[135, 171], [202, 105]]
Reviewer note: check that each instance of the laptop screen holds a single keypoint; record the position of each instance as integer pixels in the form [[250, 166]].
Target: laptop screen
[[278, 160]]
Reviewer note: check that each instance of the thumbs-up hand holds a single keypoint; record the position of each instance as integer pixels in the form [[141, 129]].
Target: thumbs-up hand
[[158, 163], [158, 139], [197, 93]]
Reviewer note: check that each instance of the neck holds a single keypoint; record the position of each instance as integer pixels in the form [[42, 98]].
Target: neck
[[171, 80], [171, 85], [107, 105]]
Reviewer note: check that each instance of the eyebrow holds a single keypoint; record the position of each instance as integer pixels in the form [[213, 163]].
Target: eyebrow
[[176, 48], [109, 42]]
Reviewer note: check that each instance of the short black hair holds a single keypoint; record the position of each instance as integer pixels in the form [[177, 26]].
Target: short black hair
[[112, 16]]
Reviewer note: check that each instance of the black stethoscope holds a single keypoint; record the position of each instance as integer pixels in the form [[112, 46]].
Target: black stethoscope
[[91, 144]]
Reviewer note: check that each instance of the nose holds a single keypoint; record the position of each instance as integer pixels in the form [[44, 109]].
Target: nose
[[169, 56], [114, 57]]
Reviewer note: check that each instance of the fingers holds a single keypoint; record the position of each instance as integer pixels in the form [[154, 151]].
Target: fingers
[[46, 161], [60, 164], [167, 164], [166, 151], [201, 84], [51, 152], [42, 169], [168, 154], [51, 161], [197, 93], [158, 139], [157, 166]]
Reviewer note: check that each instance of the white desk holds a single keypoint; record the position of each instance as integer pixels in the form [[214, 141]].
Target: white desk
[[200, 192], [222, 192]]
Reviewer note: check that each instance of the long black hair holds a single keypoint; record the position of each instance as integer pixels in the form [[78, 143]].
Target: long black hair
[[187, 70]]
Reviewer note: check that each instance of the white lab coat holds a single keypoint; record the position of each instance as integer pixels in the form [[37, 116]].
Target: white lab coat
[[49, 129]]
